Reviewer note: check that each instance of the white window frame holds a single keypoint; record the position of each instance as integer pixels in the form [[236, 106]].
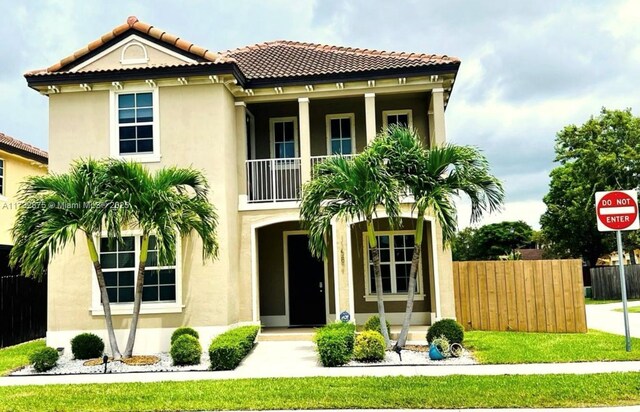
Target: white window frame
[[352, 118], [3, 191], [386, 113], [391, 297], [153, 157], [272, 135], [147, 307]]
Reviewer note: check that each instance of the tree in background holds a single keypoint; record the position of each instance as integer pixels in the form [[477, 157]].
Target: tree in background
[[602, 154], [492, 241]]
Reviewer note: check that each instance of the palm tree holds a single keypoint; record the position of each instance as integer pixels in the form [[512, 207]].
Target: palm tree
[[434, 177], [54, 209], [354, 189], [168, 204]]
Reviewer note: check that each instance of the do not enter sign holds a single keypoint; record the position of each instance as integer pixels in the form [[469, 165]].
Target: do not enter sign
[[617, 210]]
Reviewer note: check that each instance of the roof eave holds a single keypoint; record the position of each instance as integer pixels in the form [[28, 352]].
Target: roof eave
[[24, 153]]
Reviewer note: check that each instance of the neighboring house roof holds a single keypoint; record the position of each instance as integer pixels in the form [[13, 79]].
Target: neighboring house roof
[[531, 254], [270, 62], [15, 146]]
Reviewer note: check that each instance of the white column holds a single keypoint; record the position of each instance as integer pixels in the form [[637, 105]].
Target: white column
[[242, 149], [370, 115], [437, 132], [305, 138]]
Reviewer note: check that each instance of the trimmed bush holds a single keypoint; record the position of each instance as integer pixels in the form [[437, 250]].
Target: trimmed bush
[[370, 347], [230, 348], [87, 346], [335, 343], [373, 323], [44, 359], [186, 350], [185, 330], [449, 328]]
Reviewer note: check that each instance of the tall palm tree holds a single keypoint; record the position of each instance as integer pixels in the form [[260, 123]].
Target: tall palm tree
[[354, 189], [168, 204], [54, 209], [434, 177]]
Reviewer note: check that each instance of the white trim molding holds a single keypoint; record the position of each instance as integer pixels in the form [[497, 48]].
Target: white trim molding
[[352, 124], [143, 60], [386, 113], [272, 135]]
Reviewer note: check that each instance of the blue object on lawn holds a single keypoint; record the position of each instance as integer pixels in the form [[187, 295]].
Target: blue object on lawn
[[434, 353]]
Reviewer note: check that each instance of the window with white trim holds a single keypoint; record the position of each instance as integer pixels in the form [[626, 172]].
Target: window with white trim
[[283, 138], [402, 118], [119, 261], [2, 177], [135, 123], [340, 134], [396, 252]]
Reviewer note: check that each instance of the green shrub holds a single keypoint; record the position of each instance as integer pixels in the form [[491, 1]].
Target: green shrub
[[370, 347], [44, 359], [185, 330], [230, 348], [186, 350], [335, 343], [87, 346], [449, 328], [373, 323]]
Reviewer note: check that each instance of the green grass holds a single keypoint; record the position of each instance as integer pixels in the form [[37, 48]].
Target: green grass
[[333, 393], [589, 301], [13, 357], [632, 309], [522, 347]]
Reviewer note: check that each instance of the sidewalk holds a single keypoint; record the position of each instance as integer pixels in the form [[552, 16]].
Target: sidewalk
[[298, 359]]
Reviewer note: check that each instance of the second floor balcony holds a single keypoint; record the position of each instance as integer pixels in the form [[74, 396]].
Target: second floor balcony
[[285, 140]]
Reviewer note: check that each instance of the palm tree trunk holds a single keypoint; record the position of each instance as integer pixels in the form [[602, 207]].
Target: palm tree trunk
[[377, 274], [415, 260], [104, 298], [137, 302]]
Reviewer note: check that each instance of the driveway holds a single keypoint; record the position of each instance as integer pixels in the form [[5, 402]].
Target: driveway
[[603, 317]]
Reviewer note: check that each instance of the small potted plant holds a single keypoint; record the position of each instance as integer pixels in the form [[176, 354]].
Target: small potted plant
[[439, 348]]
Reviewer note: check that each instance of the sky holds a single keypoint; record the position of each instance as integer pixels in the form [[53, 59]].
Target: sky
[[529, 68]]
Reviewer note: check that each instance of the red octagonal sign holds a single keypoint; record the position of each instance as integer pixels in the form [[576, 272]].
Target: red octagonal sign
[[617, 210]]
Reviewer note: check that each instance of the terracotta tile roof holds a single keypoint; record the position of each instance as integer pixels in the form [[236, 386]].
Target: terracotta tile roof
[[135, 24], [12, 145], [271, 60], [283, 58]]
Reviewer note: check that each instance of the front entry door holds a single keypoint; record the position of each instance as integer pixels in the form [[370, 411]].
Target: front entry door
[[306, 284]]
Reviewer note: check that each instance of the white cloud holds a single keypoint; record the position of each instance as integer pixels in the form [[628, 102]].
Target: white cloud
[[528, 211]]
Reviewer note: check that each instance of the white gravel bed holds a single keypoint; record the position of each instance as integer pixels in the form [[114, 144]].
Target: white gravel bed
[[411, 357], [69, 366]]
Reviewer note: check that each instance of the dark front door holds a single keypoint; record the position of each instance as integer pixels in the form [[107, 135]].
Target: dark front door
[[306, 284]]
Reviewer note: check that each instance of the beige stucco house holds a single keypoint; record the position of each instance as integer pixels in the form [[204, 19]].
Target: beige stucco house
[[255, 120], [18, 161]]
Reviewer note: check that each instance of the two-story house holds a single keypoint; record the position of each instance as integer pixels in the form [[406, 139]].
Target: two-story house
[[18, 161], [255, 120]]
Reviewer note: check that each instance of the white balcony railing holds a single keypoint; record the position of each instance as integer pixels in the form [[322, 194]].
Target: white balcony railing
[[273, 180], [318, 159]]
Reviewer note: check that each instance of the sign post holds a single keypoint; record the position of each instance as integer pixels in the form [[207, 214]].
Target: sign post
[[618, 211]]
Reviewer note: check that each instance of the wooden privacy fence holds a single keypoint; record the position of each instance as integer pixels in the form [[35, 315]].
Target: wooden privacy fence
[[520, 295], [605, 282]]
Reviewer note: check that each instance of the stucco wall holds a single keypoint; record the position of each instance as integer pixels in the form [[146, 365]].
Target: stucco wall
[[16, 171], [200, 118], [111, 60]]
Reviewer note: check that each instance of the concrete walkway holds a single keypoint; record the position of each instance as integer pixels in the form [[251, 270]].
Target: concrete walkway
[[605, 318], [298, 359]]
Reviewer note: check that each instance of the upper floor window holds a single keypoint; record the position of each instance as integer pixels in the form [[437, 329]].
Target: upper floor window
[[340, 134], [135, 131], [284, 137], [119, 263], [2, 185], [402, 118]]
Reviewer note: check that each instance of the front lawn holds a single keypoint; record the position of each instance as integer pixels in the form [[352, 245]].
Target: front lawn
[[522, 347], [544, 391], [632, 309], [15, 356]]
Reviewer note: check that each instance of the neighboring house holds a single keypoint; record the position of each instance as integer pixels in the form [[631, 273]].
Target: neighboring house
[[18, 160], [255, 120], [612, 258]]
